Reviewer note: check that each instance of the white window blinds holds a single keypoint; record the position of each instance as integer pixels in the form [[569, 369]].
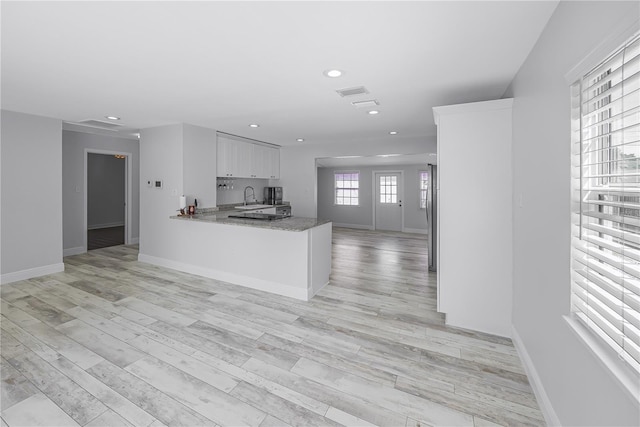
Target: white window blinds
[[606, 201]]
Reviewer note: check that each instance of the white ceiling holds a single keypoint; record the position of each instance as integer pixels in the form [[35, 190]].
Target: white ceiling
[[225, 65]]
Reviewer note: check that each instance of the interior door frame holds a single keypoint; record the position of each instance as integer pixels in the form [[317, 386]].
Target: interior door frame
[[128, 171], [374, 194]]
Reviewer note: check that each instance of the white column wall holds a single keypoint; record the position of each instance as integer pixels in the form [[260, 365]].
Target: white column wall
[[474, 223]]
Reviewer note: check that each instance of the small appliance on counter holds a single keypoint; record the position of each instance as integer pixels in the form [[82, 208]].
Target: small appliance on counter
[[272, 195], [284, 211]]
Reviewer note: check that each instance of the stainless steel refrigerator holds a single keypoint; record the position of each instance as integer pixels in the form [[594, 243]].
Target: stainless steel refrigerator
[[432, 216]]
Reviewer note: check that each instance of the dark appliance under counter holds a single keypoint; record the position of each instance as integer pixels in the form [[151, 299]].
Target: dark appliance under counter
[[259, 216]]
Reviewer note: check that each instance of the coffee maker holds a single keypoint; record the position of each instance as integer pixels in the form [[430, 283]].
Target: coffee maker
[[272, 195]]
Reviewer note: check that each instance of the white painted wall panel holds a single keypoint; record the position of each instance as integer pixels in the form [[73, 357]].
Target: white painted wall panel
[[199, 165], [31, 173], [474, 198]]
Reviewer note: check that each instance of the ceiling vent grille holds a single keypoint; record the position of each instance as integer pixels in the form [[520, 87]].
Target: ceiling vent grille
[[100, 124], [365, 104], [352, 91]]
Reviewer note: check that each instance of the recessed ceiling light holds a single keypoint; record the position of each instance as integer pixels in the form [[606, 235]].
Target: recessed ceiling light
[[393, 132], [112, 117], [300, 139], [333, 73], [372, 112], [253, 125]]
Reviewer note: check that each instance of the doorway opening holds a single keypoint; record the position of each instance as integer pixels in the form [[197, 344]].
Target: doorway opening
[[107, 199]]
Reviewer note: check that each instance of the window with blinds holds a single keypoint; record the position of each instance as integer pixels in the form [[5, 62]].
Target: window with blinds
[[606, 201]]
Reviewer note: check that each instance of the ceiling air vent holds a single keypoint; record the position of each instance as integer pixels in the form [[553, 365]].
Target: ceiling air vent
[[365, 104], [352, 91], [100, 124]]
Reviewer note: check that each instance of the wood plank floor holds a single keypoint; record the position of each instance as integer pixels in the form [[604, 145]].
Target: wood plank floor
[[114, 342], [105, 237]]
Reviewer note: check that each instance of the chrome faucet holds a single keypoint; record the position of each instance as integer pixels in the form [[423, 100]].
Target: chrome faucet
[[245, 194]]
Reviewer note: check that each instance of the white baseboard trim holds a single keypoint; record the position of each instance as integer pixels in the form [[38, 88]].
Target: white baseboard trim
[[30, 273], [358, 226], [106, 225], [236, 279], [73, 251], [415, 230], [134, 241], [550, 416], [312, 291]]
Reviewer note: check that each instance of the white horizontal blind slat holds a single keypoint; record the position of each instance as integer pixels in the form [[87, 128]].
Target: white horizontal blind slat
[[605, 136]]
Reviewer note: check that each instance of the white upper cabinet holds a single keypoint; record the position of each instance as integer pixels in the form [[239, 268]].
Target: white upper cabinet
[[226, 157], [242, 159], [273, 166]]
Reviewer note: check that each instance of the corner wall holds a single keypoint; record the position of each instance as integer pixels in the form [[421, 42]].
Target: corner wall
[[574, 387], [31, 174], [183, 157]]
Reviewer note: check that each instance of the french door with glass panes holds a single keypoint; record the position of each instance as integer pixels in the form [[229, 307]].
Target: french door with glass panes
[[388, 203]]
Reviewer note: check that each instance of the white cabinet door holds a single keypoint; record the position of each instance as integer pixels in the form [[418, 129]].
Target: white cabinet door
[[226, 158], [272, 163], [259, 161], [241, 159]]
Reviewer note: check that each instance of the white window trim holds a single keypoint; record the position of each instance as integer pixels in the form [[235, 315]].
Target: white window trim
[[335, 172], [420, 190], [606, 356]]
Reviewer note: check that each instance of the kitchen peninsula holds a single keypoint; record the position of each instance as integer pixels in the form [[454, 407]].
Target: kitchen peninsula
[[289, 256]]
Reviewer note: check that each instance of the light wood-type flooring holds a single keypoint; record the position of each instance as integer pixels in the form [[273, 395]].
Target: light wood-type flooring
[[115, 342], [104, 237]]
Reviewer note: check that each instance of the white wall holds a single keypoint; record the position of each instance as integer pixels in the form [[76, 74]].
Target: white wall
[[579, 389], [415, 219], [31, 221], [105, 191], [298, 168], [199, 151], [74, 146], [474, 215], [183, 157], [161, 158]]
